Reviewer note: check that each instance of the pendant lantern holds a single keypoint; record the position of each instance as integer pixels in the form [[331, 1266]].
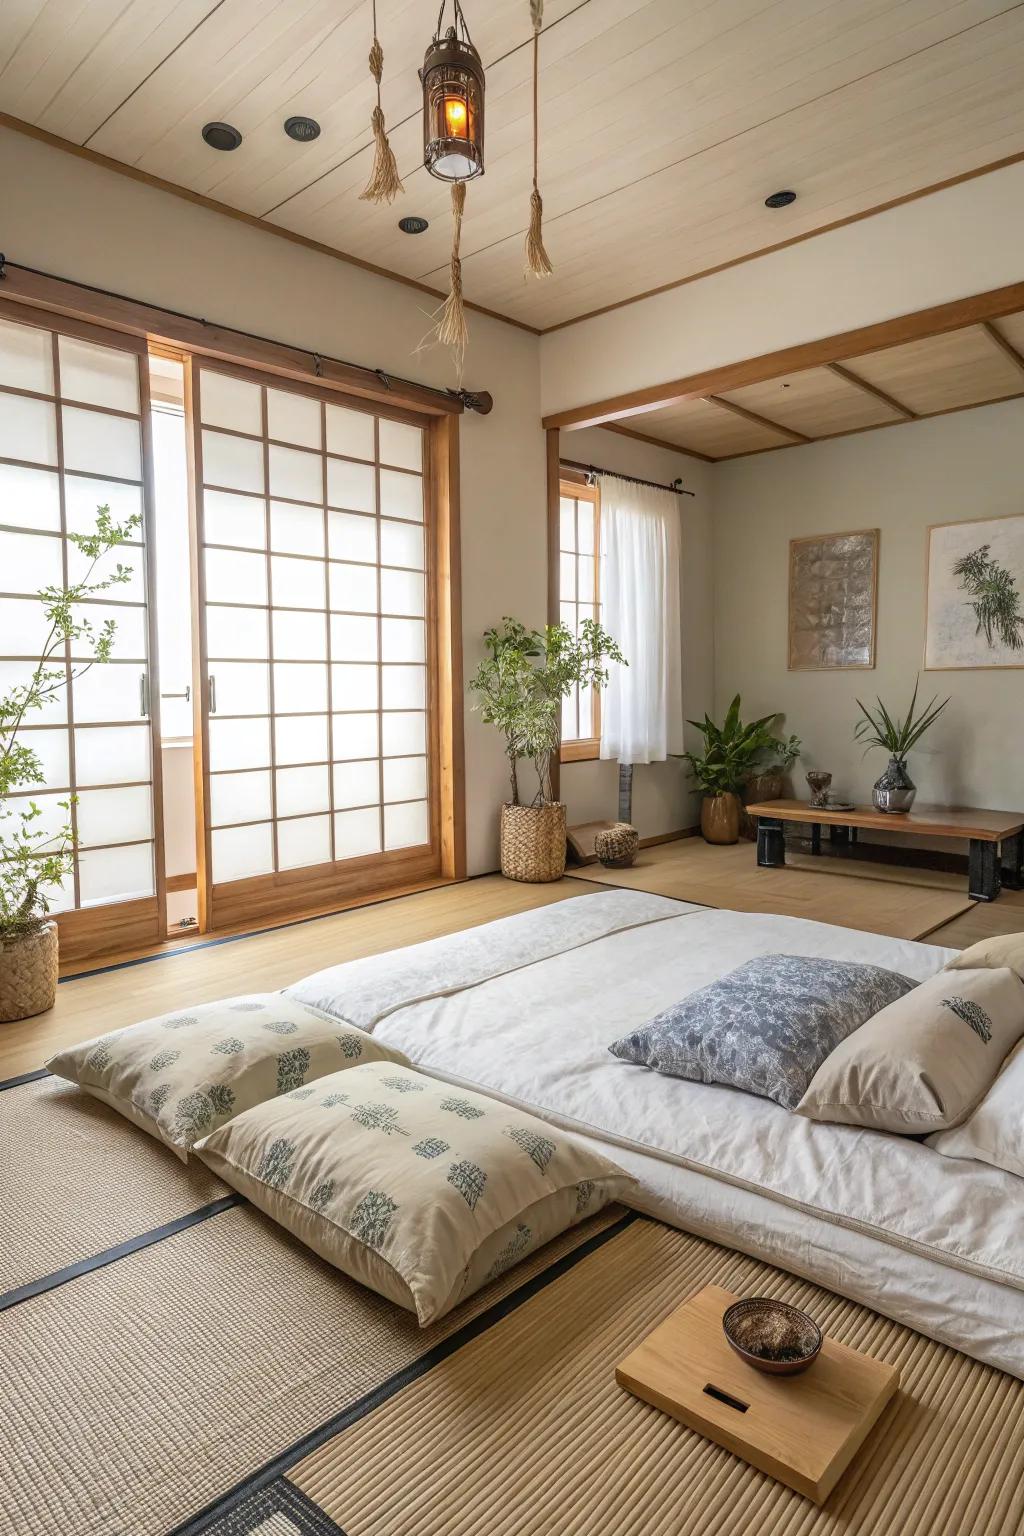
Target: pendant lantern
[[453, 103]]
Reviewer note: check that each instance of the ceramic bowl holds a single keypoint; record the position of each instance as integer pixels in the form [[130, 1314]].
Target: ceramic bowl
[[771, 1335]]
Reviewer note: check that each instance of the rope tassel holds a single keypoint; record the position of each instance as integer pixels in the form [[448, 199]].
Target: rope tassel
[[452, 329], [538, 263], [385, 183]]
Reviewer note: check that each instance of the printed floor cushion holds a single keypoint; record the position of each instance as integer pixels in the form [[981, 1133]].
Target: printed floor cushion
[[994, 1133], [924, 1062], [991, 954], [765, 1027], [421, 1191], [181, 1074]]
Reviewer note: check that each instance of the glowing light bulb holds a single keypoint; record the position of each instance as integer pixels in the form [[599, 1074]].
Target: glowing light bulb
[[455, 117]]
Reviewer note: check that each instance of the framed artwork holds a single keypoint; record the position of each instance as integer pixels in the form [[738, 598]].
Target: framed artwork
[[833, 598], [975, 607]]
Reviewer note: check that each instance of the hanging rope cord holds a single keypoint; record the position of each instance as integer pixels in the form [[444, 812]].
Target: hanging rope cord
[[385, 183], [538, 263]]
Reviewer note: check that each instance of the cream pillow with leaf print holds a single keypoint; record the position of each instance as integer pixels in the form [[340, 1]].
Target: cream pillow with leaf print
[[420, 1191], [180, 1075]]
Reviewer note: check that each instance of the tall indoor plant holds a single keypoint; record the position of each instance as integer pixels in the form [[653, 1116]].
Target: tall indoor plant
[[895, 790], [519, 687], [34, 863], [731, 752]]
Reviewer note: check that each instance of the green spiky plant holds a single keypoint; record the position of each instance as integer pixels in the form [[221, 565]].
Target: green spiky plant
[[520, 685], [992, 593], [879, 728], [34, 862]]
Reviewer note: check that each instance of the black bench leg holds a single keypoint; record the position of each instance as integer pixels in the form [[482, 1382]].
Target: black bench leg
[[771, 843], [1013, 868], [853, 834], [839, 837], [983, 878], [815, 836]]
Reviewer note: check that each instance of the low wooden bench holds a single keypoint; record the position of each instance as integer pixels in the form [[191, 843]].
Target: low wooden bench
[[995, 838]]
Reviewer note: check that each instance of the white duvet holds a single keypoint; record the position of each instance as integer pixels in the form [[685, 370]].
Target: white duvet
[[526, 1008]]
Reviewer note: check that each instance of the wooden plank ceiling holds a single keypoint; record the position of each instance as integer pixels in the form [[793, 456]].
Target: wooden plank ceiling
[[975, 365], [665, 123]]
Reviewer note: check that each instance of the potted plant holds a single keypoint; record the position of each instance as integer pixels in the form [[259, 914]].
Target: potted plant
[[721, 770], [895, 790], [765, 782], [35, 863], [519, 687]]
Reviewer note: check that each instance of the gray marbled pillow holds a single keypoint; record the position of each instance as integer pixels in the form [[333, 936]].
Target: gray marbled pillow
[[765, 1027]]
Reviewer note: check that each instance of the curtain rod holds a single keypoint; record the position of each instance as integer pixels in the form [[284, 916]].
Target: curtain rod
[[473, 400], [592, 470]]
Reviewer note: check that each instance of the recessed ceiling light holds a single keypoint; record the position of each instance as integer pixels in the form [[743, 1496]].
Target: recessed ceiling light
[[222, 136], [780, 200], [412, 224], [302, 129]]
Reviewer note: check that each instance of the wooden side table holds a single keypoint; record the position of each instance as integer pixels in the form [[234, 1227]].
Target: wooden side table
[[803, 1430]]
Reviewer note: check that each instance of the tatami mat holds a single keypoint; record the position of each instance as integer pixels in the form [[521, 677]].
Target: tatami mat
[[77, 1178], [827, 890], [137, 1393], [524, 1432]]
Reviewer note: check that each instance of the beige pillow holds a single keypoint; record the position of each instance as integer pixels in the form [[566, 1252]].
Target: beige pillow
[[992, 954], [420, 1191], [181, 1074], [995, 1132], [923, 1062]]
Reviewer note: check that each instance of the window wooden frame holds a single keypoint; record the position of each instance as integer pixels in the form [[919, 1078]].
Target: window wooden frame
[[572, 484]]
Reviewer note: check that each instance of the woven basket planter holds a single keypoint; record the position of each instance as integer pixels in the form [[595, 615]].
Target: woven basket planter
[[533, 842], [28, 974], [616, 846], [765, 786]]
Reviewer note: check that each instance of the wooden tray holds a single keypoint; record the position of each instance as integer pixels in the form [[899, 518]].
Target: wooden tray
[[803, 1430]]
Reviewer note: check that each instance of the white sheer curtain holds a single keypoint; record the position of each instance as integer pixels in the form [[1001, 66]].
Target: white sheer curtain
[[642, 707]]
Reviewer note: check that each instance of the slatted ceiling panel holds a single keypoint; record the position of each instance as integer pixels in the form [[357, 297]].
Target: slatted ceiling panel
[[959, 105], [816, 402], [942, 373], [707, 428], [1012, 330]]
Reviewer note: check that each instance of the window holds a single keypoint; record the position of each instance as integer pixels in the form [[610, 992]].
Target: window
[[579, 598]]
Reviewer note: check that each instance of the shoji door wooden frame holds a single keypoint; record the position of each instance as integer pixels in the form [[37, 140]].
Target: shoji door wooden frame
[[312, 888], [59, 304], [113, 925]]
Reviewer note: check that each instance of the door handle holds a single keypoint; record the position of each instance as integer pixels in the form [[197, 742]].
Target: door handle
[[212, 683], [143, 695], [186, 695]]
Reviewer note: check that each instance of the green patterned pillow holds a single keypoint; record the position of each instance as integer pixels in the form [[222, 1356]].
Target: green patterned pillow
[[181, 1075], [420, 1191]]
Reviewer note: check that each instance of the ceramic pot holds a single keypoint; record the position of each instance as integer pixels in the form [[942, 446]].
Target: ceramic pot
[[720, 818], [895, 790], [533, 842], [28, 974]]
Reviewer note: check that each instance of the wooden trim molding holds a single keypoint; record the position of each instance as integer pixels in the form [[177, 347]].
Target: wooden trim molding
[[554, 494], [757, 420], [848, 375], [163, 328], [443, 449], [582, 751], [656, 442], [935, 321]]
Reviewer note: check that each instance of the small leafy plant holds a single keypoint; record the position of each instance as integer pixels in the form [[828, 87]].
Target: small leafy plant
[[731, 750], [520, 685], [33, 861], [992, 593], [879, 728], [780, 755]]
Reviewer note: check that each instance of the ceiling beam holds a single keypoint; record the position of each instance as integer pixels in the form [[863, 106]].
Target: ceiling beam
[[756, 420], [872, 389], [1003, 345], [658, 442], [935, 321]]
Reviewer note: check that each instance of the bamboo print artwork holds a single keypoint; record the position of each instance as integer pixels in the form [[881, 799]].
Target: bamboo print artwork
[[976, 594]]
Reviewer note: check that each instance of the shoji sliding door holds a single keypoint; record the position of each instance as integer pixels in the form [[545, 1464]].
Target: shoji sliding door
[[74, 435], [315, 691]]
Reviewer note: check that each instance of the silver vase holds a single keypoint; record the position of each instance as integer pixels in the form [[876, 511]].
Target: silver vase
[[895, 790]]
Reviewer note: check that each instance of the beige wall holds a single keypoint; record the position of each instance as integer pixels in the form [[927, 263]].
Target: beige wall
[[662, 801], [899, 480], [77, 220]]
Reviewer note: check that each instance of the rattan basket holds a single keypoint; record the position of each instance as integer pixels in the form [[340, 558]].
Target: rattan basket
[[616, 846], [533, 842], [28, 974]]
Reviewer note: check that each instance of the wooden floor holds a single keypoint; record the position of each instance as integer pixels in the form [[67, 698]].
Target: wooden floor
[[847, 894]]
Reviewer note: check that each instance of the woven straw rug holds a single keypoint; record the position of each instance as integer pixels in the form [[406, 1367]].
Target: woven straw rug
[[218, 1378]]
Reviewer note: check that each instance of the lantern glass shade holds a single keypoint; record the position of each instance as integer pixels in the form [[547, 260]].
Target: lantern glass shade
[[453, 110]]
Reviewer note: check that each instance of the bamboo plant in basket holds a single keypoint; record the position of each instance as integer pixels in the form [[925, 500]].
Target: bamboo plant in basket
[[35, 860], [519, 687]]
